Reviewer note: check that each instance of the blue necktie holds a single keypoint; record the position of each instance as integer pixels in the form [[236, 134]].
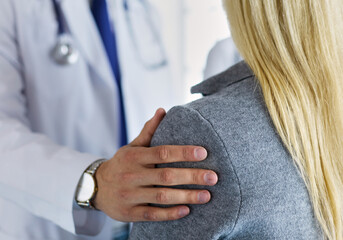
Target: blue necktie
[[101, 17]]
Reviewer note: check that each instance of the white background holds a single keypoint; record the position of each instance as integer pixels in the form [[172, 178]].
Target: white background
[[190, 30]]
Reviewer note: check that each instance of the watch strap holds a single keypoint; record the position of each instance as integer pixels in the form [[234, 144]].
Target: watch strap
[[94, 166]]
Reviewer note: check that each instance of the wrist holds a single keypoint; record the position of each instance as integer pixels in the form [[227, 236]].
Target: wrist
[[96, 201]]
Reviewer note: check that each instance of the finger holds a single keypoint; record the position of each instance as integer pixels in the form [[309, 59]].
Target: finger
[[149, 129], [146, 213], [170, 196], [170, 154], [178, 176]]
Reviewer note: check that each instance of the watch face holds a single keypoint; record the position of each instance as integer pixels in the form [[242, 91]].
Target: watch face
[[85, 188]]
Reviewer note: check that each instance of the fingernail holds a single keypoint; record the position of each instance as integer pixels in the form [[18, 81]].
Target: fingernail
[[203, 197], [183, 211], [200, 153], [210, 178]]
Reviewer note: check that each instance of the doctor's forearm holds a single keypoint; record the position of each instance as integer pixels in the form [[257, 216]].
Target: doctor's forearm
[[46, 185]]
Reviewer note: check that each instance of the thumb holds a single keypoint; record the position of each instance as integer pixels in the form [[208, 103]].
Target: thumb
[[149, 129]]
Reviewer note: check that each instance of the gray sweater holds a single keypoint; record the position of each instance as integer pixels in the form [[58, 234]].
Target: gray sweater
[[260, 193]]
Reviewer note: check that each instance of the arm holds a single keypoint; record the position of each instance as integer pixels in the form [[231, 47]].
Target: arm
[[35, 173], [217, 218]]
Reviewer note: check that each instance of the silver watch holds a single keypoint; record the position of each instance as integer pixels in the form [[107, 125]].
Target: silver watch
[[87, 186]]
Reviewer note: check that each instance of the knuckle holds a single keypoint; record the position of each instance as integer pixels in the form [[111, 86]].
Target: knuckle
[[162, 197], [166, 176], [163, 153], [126, 177], [129, 214], [195, 177], [185, 153], [130, 155], [171, 215], [125, 213], [147, 124], [124, 195], [192, 197], [150, 215]]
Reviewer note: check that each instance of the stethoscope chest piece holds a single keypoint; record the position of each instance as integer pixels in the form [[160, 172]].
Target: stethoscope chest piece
[[64, 52]]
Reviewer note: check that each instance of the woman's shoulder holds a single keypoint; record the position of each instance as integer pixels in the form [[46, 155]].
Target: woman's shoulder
[[259, 185], [233, 101], [234, 94]]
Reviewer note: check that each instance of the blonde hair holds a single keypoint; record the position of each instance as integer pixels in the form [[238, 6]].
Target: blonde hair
[[295, 49]]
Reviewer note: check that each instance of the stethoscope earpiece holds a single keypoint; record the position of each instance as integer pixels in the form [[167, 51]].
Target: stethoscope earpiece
[[64, 52]]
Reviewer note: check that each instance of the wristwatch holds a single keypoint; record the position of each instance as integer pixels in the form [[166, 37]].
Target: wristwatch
[[87, 186]]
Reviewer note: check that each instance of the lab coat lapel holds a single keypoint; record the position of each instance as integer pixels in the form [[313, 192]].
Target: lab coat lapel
[[82, 27]]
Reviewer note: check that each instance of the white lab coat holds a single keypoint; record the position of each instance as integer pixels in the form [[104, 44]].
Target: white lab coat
[[223, 55], [56, 120]]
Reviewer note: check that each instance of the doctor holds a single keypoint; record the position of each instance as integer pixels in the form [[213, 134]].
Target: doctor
[[78, 79]]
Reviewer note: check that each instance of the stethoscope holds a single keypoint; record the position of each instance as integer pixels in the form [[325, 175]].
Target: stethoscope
[[65, 53]]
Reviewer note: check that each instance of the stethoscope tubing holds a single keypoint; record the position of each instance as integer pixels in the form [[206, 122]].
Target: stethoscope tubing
[[59, 17], [154, 31], [71, 55]]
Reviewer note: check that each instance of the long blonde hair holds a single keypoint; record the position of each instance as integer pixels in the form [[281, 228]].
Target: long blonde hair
[[295, 49]]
